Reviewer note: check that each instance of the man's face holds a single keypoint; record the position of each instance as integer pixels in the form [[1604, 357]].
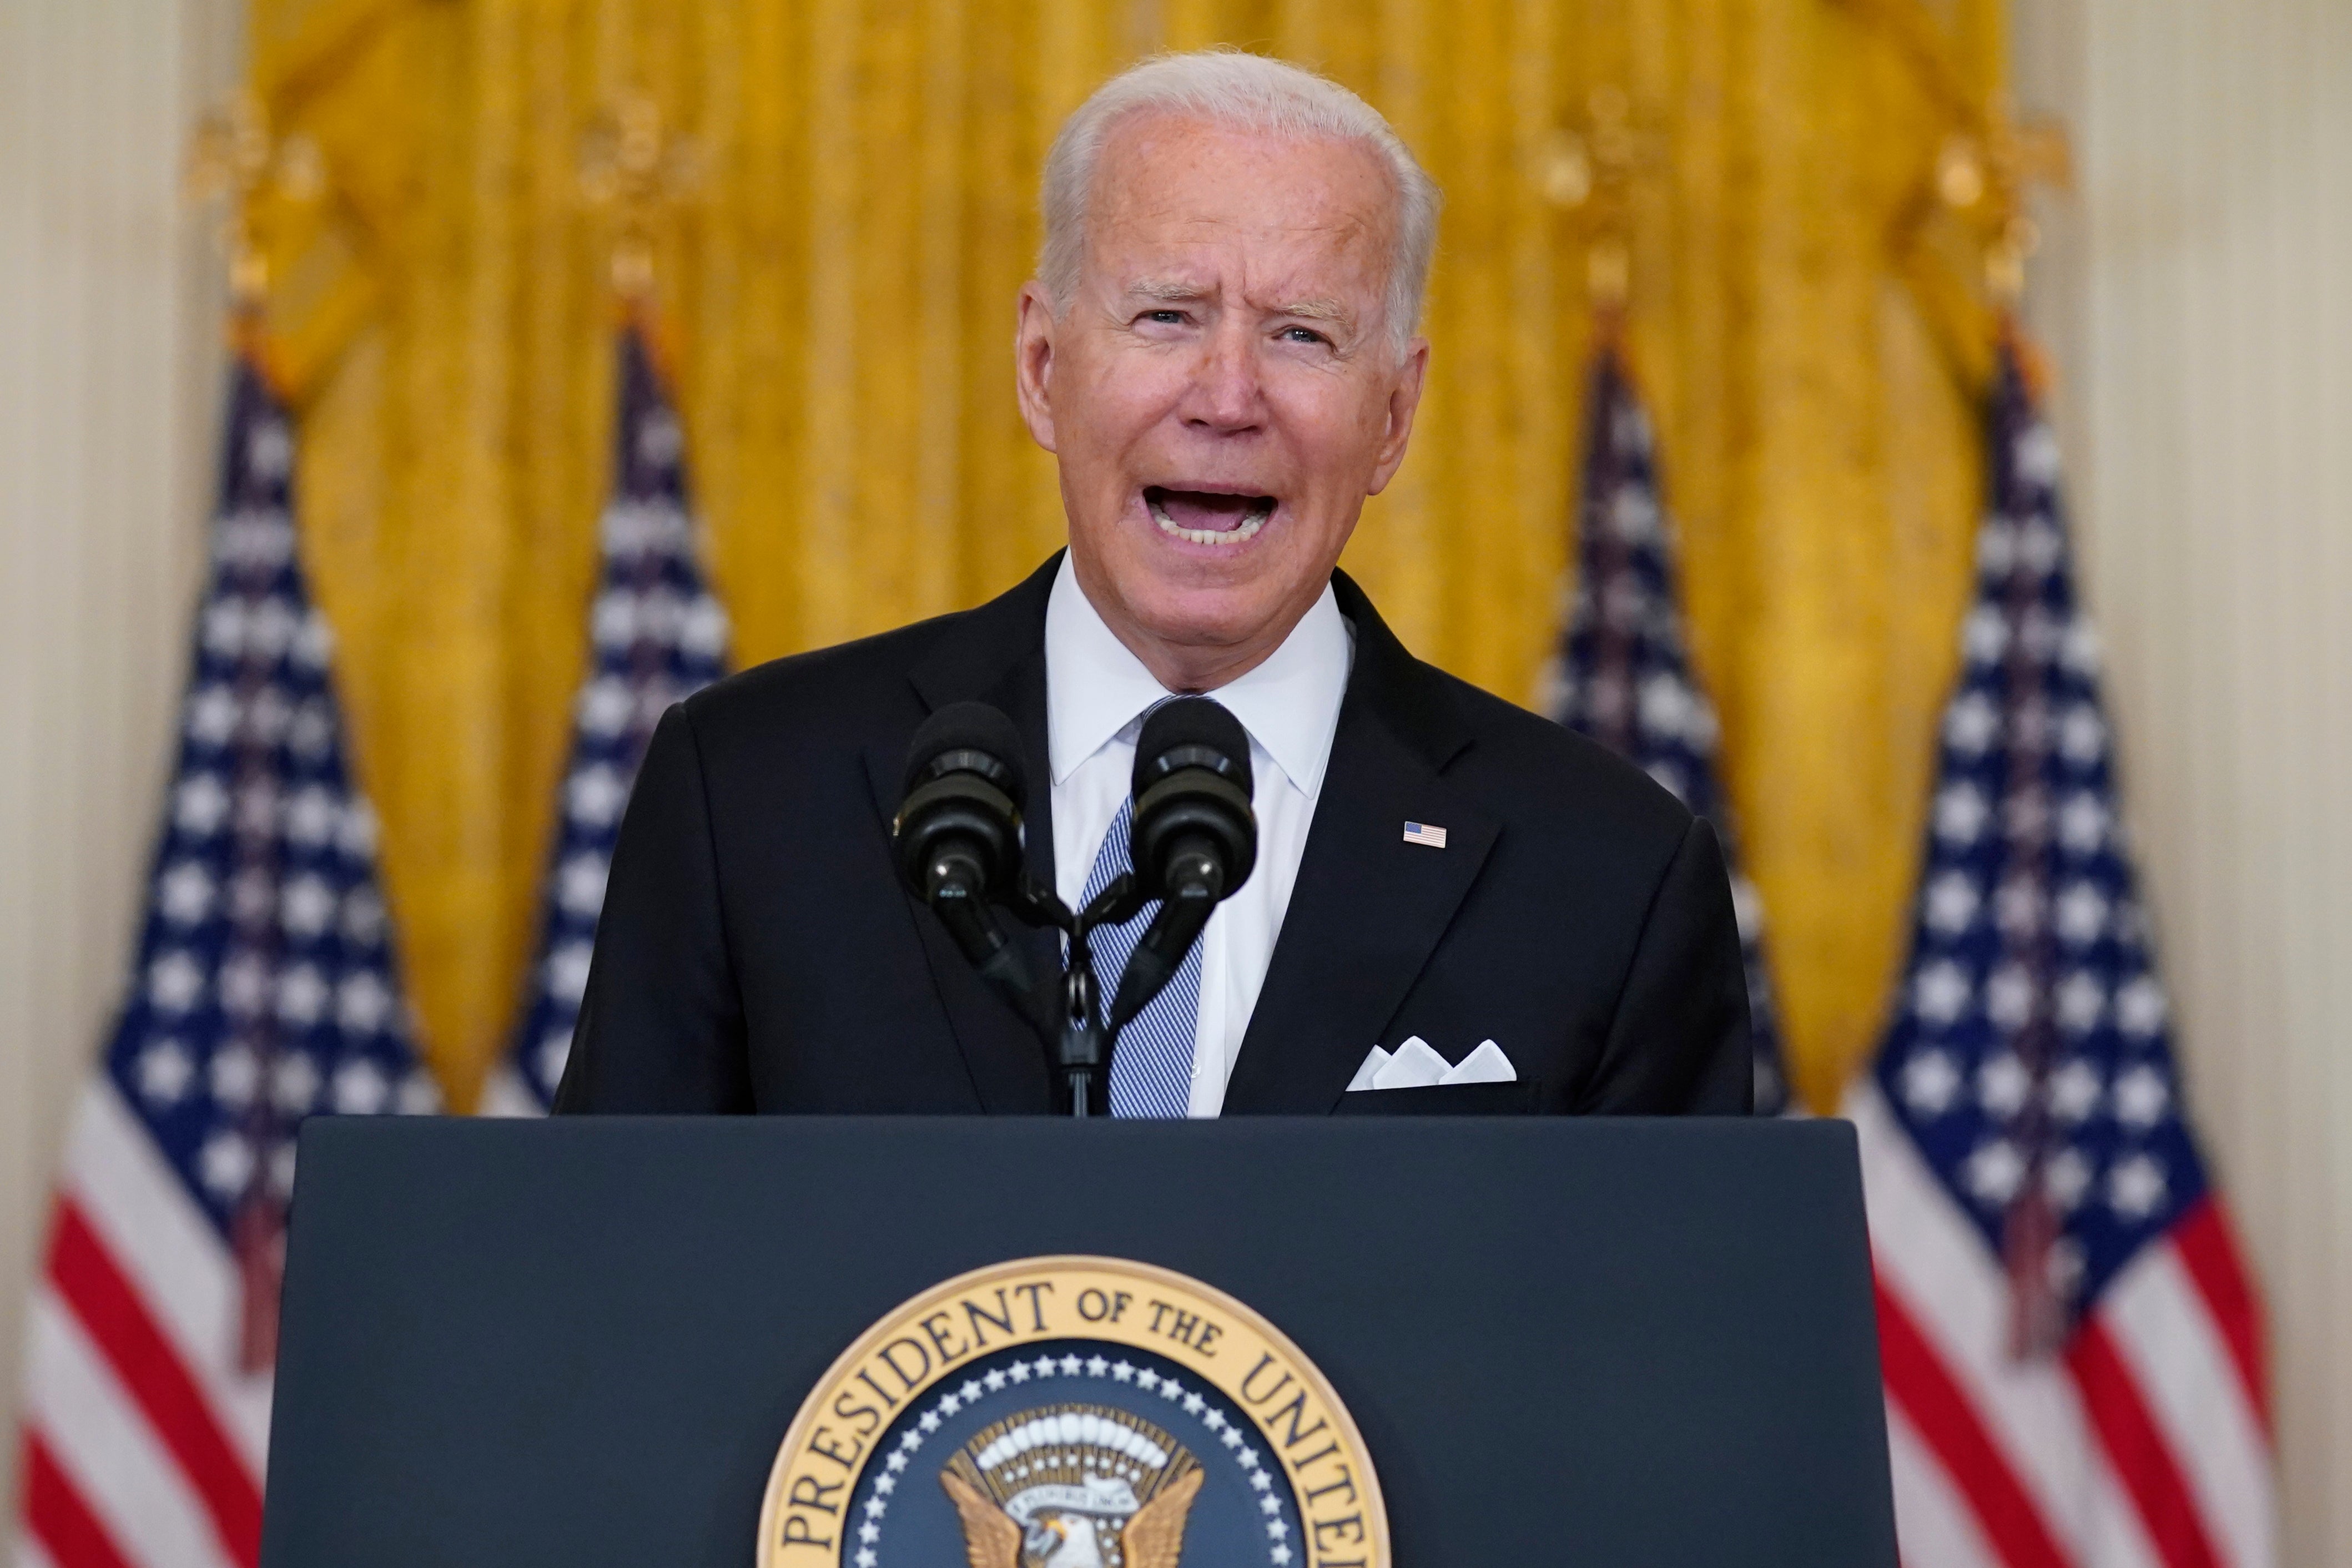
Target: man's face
[[1222, 390]]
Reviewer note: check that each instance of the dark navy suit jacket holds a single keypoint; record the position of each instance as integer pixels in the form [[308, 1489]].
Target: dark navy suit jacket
[[757, 952]]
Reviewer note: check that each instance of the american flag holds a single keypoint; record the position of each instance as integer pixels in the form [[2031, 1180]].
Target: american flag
[[265, 990], [658, 637], [2072, 1347], [1622, 674]]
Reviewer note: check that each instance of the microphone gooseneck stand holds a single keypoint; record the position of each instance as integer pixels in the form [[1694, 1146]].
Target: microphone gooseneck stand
[[1066, 1009], [1078, 1044]]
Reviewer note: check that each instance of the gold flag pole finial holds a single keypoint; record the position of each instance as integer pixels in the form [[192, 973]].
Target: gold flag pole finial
[[1986, 176], [227, 159], [1587, 169], [234, 159], [632, 167]]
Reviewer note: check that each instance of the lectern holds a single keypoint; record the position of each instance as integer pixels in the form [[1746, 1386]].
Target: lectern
[[901, 1343]]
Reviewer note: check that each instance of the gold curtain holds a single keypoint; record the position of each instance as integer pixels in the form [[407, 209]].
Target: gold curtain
[[837, 285]]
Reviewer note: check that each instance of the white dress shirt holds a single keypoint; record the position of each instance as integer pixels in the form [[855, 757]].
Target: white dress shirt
[[1096, 695]]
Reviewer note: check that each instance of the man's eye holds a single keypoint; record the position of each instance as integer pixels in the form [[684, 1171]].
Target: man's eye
[[1165, 317], [1303, 335]]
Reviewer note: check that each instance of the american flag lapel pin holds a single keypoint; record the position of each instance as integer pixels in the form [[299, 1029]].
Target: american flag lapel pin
[[1425, 835]]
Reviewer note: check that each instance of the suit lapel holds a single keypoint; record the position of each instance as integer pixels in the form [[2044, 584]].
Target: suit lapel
[[994, 654], [1368, 907], [1367, 910]]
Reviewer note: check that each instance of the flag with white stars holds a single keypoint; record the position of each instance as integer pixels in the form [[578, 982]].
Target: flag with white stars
[[656, 637], [264, 992], [1622, 675], [2072, 1347]]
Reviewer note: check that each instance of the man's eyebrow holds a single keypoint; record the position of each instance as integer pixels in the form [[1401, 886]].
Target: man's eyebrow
[[1168, 289], [1177, 291]]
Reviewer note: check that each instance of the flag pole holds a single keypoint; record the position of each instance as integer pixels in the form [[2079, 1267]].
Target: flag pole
[[656, 632]]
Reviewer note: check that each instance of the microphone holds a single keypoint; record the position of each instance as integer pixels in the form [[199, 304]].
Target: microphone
[[957, 834], [1194, 838]]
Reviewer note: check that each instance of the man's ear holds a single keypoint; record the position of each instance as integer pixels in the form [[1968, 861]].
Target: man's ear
[[1404, 401], [1032, 361]]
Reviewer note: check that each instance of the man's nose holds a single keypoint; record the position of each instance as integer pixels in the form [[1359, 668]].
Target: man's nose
[[1226, 396]]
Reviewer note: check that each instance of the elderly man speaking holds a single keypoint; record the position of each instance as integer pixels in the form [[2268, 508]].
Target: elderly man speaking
[[1457, 905]]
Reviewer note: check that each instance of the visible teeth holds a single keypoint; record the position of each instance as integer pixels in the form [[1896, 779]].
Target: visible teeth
[[1249, 527]]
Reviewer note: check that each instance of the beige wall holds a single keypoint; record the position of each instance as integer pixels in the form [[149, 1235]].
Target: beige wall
[[108, 367], [2199, 295]]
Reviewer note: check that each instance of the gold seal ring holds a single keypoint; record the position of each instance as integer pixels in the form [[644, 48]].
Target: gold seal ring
[[1072, 1409]]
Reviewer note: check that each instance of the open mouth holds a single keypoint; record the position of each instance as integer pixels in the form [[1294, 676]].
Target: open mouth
[[1208, 517]]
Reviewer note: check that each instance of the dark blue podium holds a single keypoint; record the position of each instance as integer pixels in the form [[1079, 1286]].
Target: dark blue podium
[[1564, 1341]]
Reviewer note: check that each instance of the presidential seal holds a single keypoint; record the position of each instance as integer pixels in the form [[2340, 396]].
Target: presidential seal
[[1073, 1413]]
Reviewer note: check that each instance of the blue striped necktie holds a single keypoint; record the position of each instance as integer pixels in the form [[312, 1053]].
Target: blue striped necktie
[[1151, 1072]]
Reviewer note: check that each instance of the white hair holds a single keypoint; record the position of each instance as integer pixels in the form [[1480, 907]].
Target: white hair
[[1228, 87]]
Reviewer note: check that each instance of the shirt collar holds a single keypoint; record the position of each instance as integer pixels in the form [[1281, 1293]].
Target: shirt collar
[[1095, 688]]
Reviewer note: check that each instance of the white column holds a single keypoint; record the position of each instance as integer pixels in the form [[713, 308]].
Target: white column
[[109, 363], [2199, 295]]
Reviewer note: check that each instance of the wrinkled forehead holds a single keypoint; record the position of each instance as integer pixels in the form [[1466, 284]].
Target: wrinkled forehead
[[1166, 185]]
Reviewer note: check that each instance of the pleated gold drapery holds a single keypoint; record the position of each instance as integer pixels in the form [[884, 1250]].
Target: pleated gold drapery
[[838, 278]]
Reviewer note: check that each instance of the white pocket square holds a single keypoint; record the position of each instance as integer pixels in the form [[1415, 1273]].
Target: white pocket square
[[1413, 1065]]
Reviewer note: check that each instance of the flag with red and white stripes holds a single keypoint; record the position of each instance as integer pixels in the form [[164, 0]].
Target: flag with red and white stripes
[[2072, 1345], [264, 990]]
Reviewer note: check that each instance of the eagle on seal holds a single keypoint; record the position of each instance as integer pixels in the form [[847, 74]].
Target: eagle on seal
[[1072, 1486], [1153, 1537]]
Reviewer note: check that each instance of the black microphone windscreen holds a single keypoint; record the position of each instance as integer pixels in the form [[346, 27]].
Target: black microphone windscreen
[[968, 728], [1190, 726]]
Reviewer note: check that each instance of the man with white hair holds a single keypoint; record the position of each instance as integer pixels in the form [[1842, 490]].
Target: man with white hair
[[1457, 905]]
